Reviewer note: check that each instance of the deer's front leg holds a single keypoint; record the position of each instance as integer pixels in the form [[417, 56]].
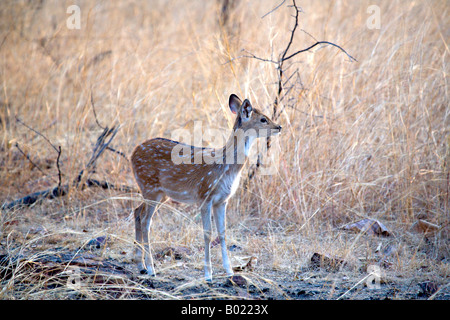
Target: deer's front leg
[[220, 218], [206, 219]]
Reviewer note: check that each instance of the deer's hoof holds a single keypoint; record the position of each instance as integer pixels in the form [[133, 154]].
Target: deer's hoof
[[148, 272]]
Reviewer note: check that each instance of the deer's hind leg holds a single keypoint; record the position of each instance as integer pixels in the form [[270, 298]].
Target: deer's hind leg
[[206, 220], [138, 233]]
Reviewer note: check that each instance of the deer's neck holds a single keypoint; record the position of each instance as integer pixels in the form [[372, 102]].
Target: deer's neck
[[236, 150]]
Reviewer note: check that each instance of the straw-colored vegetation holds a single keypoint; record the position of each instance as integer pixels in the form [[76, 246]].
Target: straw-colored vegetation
[[364, 139]]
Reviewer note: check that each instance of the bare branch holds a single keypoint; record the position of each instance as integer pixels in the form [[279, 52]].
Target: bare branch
[[315, 44], [309, 34], [297, 11], [28, 158], [95, 113], [107, 185], [37, 196], [38, 133], [99, 147], [59, 169], [58, 150], [118, 152], [282, 2], [98, 123], [251, 55]]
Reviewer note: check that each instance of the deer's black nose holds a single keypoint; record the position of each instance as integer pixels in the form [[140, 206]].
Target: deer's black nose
[[280, 127]]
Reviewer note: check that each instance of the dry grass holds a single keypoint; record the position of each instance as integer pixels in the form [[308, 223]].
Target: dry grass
[[363, 139]]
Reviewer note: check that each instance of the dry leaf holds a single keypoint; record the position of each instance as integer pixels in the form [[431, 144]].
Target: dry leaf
[[38, 230], [215, 242], [325, 261], [425, 226], [369, 226], [248, 266], [11, 223], [378, 247], [177, 253]]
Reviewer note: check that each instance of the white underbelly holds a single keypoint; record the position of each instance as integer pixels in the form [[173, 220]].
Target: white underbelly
[[181, 196]]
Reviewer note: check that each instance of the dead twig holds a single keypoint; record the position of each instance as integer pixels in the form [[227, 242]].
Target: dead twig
[[28, 158], [38, 133], [100, 146], [120, 153], [37, 196], [107, 185], [95, 113], [317, 43], [57, 149], [274, 9], [98, 123]]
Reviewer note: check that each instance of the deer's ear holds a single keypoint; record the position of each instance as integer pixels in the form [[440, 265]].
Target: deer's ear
[[235, 103], [247, 110]]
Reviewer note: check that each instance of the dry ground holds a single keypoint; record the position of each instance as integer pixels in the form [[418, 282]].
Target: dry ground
[[365, 139]]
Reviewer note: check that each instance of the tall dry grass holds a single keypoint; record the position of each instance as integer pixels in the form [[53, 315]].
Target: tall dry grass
[[364, 139]]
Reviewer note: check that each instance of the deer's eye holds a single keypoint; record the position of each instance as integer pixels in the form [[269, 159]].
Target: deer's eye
[[263, 120]]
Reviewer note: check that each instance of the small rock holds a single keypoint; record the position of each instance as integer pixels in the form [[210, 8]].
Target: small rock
[[236, 280], [234, 248], [97, 243], [304, 293]]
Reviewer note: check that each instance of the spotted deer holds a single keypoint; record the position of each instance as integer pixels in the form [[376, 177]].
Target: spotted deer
[[207, 177]]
